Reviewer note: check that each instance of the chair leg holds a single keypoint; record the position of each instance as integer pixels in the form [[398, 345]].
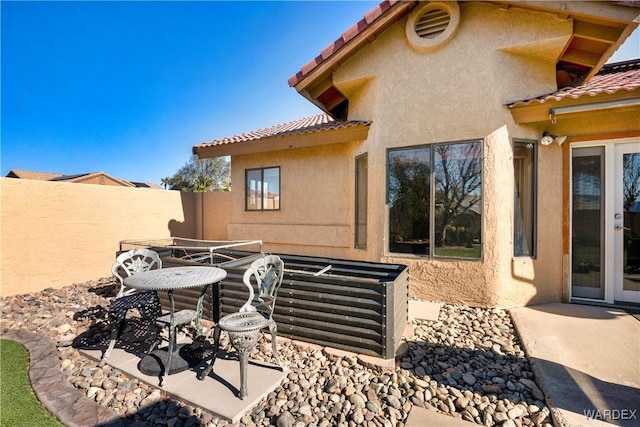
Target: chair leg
[[273, 328], [150, 314], [244, 362], [244, 342], [148, 305], [116, 321], [112, 344], [216, 346], [157, 335]]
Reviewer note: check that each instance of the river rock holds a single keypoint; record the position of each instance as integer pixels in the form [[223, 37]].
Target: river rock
[[468, 363]]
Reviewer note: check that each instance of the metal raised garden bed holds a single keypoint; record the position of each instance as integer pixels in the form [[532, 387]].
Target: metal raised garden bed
[[354, 305]]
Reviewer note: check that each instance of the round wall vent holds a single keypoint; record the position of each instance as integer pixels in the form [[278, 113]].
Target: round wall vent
[[432, 24]]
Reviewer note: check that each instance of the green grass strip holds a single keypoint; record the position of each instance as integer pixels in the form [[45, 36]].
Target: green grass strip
[[18, 405]]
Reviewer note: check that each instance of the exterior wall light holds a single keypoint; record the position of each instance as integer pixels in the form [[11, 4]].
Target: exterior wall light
[[548, 138]]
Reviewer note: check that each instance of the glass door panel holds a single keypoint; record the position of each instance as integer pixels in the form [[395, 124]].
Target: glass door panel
[[587, 213], [627, 223]]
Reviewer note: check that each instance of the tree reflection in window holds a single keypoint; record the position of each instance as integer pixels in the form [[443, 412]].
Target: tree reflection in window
[[457, 196], [408, 197]]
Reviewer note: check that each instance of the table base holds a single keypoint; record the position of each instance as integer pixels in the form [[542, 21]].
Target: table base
[[183, 359]]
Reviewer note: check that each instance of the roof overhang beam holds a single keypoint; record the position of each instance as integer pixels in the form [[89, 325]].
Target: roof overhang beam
[[548, 111]]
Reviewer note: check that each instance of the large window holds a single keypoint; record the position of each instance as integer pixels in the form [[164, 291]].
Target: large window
[[262, 189], [361, 202], [434, 195], [524, 212]]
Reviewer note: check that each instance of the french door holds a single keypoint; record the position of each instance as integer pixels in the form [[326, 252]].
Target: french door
[[605, 221]]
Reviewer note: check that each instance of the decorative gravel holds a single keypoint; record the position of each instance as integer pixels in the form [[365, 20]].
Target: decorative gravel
[[468, 364]]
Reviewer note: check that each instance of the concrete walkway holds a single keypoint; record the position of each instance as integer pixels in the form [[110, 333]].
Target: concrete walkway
[[586, 360]]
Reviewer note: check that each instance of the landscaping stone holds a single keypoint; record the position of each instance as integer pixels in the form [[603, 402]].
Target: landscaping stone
[[467, 363]]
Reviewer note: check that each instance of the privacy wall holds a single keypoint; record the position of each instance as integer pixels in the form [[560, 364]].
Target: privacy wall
[[55, 234]]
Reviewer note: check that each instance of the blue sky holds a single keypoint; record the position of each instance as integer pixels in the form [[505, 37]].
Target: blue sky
[[129, 87]]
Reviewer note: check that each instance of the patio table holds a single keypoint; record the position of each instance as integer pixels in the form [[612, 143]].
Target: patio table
[[171, 360]]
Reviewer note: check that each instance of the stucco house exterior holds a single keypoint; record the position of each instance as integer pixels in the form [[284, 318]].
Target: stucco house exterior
[[483, 144]]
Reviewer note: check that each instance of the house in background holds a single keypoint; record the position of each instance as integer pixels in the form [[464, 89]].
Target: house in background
[[99, 178], [483, 144]]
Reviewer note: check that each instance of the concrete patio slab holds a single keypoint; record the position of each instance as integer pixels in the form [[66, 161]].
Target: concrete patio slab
[[423, 310], [586, 360], [217, 393], [421, 417]]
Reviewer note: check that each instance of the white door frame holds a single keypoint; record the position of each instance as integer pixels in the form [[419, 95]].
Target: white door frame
[[612, 245], [619, 294]]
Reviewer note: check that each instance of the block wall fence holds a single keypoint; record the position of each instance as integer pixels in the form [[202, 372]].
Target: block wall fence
[[54, 234]]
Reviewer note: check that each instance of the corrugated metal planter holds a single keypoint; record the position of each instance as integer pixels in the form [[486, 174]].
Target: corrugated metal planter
[[356, 306]]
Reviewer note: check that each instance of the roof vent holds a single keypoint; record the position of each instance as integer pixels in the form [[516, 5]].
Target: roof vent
[[432, 24]]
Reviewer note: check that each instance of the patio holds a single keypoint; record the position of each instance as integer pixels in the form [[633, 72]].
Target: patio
[[452, 366], [217, 393]]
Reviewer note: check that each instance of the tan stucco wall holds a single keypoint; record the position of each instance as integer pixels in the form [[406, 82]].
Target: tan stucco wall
[[317, 202], [55, 234], [216, 215], [457, 93]]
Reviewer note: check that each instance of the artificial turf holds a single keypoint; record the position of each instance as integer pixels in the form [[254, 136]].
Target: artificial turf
[[18, 405]]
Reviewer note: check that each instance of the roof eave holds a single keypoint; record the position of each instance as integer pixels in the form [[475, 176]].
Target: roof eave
[[539, 112], [357, 132], [318, 71], [611, 50], [304, 82]]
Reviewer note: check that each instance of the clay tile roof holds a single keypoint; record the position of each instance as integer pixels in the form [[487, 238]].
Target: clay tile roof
[[344, 38], [317, 123], [610, 79]]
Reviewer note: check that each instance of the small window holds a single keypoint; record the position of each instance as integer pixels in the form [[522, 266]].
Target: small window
[[524, 212], [361, 202], [262, 189]]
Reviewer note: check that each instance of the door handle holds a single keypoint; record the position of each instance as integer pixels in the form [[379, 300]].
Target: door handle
[[620, 227]]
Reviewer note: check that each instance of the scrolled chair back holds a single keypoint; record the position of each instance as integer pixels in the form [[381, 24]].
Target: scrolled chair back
[[267, 272], [133, 262]]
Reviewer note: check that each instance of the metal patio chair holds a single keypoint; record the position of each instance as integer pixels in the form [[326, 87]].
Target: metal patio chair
[[146, 302], [244, 326]]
